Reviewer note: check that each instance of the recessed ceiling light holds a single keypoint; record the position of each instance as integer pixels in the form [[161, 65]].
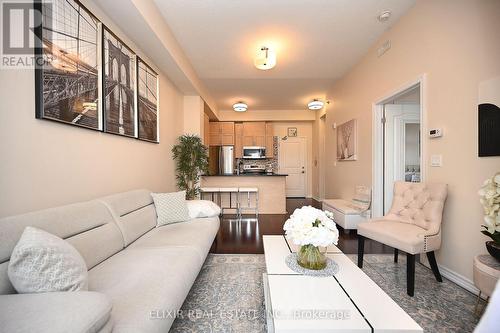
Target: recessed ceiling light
[[315, 104], [240, 107], [265, 59], [384, 16]]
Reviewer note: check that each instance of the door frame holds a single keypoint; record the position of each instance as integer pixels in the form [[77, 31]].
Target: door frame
[[322, 157], [378, 140], [303, 140]]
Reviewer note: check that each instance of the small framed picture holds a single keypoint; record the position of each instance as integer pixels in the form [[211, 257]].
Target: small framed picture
[[292, 131]]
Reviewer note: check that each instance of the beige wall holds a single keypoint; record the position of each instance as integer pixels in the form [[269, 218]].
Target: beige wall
[[45, 164], [455, 43], [194, 115], [304, 129]]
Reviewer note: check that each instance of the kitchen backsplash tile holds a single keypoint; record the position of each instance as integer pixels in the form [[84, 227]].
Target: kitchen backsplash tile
[[268, 162]]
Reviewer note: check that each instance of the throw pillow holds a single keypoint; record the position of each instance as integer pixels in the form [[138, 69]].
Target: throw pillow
[[202, 208], [170, 207], [42, 262]]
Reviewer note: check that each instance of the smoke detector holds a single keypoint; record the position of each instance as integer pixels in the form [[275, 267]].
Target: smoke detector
[[384, 16]]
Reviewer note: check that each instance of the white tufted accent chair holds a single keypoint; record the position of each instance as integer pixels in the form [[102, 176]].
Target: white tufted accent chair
[[412, 225]]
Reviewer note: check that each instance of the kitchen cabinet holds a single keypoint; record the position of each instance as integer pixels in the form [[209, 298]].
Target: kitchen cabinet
[[221, 133], [254, 133], [269, 140], [238, 140], [258, 134], [206, 130]]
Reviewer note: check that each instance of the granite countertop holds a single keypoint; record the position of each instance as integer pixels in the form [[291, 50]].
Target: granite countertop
[[250, 175]]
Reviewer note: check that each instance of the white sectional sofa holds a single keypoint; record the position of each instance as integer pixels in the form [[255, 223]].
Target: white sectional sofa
[[136, 271]]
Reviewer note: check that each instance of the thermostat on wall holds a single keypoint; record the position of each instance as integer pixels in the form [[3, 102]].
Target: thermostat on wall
[[435, 133]]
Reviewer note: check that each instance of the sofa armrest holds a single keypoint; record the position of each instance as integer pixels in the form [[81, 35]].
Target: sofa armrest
[[81, 311]]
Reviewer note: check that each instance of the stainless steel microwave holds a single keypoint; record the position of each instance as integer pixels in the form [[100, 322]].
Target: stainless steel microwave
[[254, 153]]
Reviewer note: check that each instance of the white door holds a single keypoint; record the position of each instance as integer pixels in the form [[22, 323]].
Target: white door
[[396, 117], [292, 161]]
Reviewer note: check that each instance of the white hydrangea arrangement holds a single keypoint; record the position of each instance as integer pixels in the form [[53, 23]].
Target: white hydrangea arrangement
[[490, 199], [311, 226]]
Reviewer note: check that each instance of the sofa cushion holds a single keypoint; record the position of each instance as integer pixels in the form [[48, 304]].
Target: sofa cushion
[[170, 207], [343, 206], [133, 211], [197, 234], [42, 262], [88, 226], [57, 312], [404, 236], [202, 208], [141, 282]]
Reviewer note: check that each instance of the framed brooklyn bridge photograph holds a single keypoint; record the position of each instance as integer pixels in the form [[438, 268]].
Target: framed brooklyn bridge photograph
[[119, 86], [67, 78], [147, 102]]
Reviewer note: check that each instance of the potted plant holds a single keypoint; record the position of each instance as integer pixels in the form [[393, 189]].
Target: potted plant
[[311, 229], [191, 158], [490, 199]]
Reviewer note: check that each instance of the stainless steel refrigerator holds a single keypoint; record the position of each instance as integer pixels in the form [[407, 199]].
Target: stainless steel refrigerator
[[221, 160]]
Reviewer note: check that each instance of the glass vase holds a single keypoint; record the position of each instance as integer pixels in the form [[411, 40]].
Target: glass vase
[[311, 257]]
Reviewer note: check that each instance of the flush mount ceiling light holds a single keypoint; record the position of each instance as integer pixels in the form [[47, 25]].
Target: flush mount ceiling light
[[240, 107], [315, 104], [384, 16], [265, 59]]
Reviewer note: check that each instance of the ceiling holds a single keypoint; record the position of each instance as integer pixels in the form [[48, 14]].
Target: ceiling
[[316, 42]]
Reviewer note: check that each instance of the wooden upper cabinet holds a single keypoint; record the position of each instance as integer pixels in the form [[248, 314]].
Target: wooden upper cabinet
[[227, 132], [238, 140], [221, 133], [269, 140], [254, 134], [214, 127], [227, 128], [247, 141], [257, 128], [206, 130], [259, 140]]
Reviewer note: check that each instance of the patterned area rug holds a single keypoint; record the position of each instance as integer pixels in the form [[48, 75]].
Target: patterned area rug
[[227, 296]]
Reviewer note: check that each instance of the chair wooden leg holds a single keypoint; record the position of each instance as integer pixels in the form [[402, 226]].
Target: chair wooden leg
[[410, 274], [361, 250], [434, 266], [396, 252]]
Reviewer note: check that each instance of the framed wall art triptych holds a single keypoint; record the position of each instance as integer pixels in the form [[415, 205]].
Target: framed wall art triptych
[[87, 76]]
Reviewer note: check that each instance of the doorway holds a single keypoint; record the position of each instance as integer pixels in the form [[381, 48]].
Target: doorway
[[292, 161], [398, 147], [322, 157]]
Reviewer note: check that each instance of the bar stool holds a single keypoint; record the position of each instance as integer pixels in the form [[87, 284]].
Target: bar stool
[[229, 190], [248, 191], [213, 191]]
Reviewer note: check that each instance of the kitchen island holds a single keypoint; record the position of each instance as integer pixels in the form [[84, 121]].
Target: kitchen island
[[272, 197]]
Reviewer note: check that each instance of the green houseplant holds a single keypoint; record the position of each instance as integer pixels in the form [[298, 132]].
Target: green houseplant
[[191, 158], [490, 199]]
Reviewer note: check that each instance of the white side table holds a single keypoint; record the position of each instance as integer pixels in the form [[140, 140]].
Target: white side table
[[486, 272]]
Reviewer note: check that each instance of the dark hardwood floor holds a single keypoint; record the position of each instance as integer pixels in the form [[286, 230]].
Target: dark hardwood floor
[[245, 236]]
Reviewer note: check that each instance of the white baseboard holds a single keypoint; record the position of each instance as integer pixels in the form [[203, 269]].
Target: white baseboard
[[317, 199], [459, 279], [453, 276]]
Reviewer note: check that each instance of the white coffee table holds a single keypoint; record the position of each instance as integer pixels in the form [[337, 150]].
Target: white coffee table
[[347, 302]]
